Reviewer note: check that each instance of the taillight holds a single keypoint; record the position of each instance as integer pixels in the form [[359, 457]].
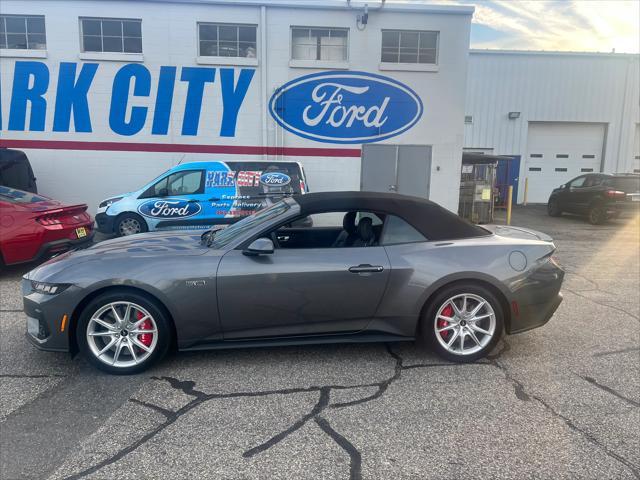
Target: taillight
[[614, 194], [49, 220]]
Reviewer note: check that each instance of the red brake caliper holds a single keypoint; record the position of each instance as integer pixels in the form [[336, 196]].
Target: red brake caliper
[[447, 312], [145, 338]]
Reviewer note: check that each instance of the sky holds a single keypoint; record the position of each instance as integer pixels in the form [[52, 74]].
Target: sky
[[567, 25]]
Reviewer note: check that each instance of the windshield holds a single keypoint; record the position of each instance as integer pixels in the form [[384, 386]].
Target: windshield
[[229, 234]]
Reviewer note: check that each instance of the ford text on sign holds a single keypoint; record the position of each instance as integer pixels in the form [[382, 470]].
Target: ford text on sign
[[345, 107]]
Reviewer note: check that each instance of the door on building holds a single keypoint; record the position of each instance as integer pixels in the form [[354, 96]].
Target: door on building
[[507, 174], [404, 169], [560, 151]]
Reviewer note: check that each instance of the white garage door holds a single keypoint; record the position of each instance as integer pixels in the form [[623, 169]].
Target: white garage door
[[558, 152]]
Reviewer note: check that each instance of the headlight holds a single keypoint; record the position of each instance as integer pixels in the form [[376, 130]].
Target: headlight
[[48, 288], [109, 201]]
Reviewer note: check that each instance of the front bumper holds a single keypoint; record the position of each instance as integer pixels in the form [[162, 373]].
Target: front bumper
[[104, 223], [46, 327]]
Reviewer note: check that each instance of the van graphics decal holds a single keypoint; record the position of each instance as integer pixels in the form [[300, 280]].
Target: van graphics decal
[[170, 208], [228, 192], [345, 107], [275, 179]]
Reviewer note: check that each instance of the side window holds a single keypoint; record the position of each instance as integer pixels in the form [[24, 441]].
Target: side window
[[397, 231], [577, 183], [179, 183], [341, 229], [185, 183]]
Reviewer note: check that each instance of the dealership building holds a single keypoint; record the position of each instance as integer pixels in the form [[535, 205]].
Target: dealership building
[[105, 95]]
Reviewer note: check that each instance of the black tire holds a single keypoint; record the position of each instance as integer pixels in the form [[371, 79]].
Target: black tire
[[440, 300], [162, 323], [597, 214], [553, 209], [124, 223]]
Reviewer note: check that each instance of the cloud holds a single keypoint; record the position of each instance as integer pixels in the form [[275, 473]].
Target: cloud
[[568, 25]]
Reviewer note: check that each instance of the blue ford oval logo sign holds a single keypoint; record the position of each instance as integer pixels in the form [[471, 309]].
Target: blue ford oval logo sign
[[273, 179], [169, 208], [345, 107]]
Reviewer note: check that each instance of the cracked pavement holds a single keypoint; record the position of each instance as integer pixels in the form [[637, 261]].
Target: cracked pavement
[[562, 401]]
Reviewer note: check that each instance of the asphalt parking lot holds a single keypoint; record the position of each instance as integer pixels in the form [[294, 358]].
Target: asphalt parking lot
[[562, 401]]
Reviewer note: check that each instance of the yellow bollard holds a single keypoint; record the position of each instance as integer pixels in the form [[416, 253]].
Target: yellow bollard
[[526, 190], [509, 203]]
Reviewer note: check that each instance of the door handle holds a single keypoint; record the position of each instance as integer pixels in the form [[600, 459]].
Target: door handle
[[366, 268], [192, 200]]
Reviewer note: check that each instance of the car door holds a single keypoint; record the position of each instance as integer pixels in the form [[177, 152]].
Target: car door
[[570, 197], [585, 194], [175, 201], [300, 291]]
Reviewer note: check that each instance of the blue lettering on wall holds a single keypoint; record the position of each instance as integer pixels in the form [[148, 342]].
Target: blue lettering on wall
[[71, 96], [196, 77], [22, 93], [120, 99], [164, 99], [232, 98]]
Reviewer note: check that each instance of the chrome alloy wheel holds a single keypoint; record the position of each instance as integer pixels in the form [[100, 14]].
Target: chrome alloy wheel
[[465, 324], [129, 226], [122, 334]]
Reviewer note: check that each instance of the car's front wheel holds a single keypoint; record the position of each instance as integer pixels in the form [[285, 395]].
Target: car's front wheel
[[130, 224], [463, 322], [553, 208], [123, 332]]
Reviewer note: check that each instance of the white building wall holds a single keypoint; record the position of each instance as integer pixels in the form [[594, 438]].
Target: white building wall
[[170, 39], [552, 87]]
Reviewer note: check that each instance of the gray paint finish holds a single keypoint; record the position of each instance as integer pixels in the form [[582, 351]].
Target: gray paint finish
[[221, 295]]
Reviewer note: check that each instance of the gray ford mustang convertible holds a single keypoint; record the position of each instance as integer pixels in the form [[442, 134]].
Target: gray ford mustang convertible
[[372, 267]]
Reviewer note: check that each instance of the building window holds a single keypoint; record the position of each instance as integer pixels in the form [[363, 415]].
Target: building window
[[111, 35], [409, 46], [226, 40], [327, 44], [22, 32]]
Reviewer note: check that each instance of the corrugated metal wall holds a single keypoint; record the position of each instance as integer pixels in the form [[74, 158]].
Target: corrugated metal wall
[[554, 87]]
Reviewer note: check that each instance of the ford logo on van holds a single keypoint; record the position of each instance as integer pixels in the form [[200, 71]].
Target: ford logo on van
[[274, 179], [345, 107], [169, 208]]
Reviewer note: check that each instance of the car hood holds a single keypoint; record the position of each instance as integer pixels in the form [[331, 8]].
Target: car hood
[[151, 246]]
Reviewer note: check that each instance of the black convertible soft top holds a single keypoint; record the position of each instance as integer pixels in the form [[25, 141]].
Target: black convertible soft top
[[430, 219]]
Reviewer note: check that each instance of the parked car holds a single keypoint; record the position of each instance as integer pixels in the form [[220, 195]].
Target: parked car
[[393, 269], [598, 196], [35, 226], [199, 195], [16, 171]]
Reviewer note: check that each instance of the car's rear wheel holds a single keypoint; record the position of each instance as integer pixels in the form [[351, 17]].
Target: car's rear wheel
[[463, 322], [123, 332], [130, 224], [553, 208], [597, 215]]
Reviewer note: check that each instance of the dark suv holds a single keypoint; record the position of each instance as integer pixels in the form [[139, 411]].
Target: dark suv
[[599, 196]]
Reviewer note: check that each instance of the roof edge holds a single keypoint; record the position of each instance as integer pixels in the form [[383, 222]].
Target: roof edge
[[374, 5], [489, 51]]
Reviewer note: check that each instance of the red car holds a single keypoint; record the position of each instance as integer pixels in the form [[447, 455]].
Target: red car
[[34, 226]]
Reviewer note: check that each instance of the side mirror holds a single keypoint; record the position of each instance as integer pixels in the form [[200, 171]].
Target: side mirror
[[260, 246], [163, 192], [564, 185]]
